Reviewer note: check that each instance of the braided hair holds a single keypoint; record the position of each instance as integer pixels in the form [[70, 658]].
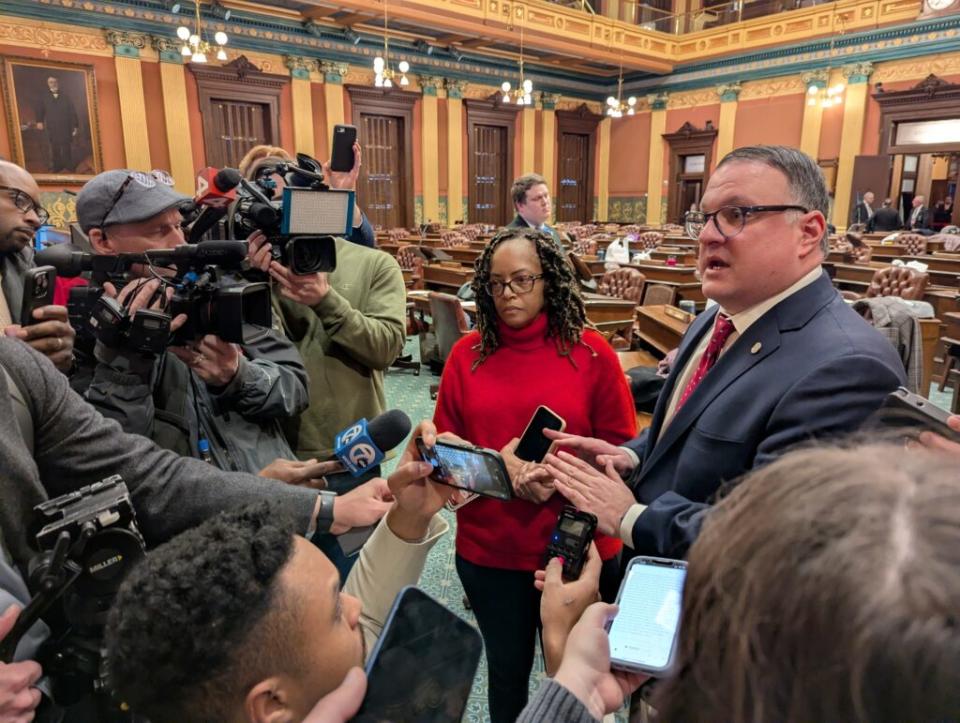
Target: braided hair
[[566, 314]]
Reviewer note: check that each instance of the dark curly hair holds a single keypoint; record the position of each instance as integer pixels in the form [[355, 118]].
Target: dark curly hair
[[566, 314], [202, 619]]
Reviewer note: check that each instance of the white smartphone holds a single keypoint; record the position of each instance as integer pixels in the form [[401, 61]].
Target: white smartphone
[[643, 636]]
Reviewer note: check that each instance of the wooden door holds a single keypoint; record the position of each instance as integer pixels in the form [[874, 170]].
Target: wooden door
[[382, 182], [870, 173], [489, 175], [237, 127], [573, 194]]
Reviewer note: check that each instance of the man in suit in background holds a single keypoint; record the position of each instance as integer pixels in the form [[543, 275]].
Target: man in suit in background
[[887, 218], [779, 360], [59, 119], [920, 216], [863, 211], [531, 199]]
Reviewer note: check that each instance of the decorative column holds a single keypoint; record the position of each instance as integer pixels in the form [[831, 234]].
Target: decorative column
[[851, 137], [549, 139], [299, 68], [429, 85], [133, 107], [456, 203], [814, 82], [603, 182], [176, 116], [658, 126], [528, 117], [729, 94], [333, 74]]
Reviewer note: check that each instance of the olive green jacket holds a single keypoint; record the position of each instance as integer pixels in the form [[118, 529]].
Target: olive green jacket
[[347, 341]]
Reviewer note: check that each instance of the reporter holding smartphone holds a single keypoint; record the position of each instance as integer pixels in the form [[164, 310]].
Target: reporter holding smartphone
[[531, 347]]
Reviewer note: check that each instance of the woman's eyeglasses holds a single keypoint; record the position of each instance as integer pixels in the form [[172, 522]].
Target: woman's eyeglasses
[[729, 220], [518, 285], [25, 204], [147, 180]]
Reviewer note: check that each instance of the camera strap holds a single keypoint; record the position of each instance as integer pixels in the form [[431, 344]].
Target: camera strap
[[21, 408]]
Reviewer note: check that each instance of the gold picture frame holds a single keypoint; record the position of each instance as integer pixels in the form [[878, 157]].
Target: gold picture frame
[[52, 119]]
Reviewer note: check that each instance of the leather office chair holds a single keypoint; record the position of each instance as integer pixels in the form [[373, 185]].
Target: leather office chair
[[585, 247], [449, 326], [900, 281], [410, 259], [650, 239], [623, 283], [655, 294], [673, 228], [913, 243]]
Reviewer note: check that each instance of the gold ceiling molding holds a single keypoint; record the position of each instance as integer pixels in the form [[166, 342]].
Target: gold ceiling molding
[[916, 68], [693, 98], [790, 85], [48, 36]]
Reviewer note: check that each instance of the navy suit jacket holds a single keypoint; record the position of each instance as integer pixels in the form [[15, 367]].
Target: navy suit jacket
[[809, 367], [518, 222]]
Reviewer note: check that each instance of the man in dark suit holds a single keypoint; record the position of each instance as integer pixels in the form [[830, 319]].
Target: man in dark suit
[[58, 118], [863, 211], [779, 360], [920, 216], [531, 199], [885, 219]]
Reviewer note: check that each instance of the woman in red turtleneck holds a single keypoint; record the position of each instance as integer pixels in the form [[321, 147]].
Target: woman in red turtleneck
[[530, 348]]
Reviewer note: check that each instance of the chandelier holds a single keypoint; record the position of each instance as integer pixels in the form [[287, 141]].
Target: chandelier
[[523, 93], [383, 72], [616, 108], [195, 46]]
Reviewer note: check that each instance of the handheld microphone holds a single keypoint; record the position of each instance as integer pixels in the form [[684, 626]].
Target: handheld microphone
[[217, 188], [363, 445]]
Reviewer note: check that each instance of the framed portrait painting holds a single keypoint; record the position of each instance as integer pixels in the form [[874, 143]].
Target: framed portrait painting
[[51, 110]]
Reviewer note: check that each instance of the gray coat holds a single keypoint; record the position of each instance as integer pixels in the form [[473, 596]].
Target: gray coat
[[75, 446], [161, 398]]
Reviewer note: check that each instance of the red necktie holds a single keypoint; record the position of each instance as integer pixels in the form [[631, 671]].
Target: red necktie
[[722, 330]]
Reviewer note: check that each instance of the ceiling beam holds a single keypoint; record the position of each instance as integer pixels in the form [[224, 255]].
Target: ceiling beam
[[320, 13], [348, 20]]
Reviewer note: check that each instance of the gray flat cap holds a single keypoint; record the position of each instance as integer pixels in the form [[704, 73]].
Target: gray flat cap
[[140, 200]]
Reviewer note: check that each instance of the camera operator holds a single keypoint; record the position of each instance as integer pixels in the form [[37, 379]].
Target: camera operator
[[20, 216], [348, 325], [234, 397]]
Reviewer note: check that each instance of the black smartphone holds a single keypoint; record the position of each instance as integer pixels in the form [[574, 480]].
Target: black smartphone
[[533, 446], [643, 635], [468, 468], [38, 288], [910, 414], [423, 664], [571, 539], [341, 157]]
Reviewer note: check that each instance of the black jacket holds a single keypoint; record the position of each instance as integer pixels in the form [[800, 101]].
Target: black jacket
[[885, 219]]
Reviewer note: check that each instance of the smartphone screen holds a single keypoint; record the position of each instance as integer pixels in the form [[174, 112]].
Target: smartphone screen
[[341, 158], [643, 636], [38, 290], [533, 446], [468, 469], [423, 665]]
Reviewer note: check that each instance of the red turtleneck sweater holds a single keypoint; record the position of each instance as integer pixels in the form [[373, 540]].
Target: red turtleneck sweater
[[492, 405]]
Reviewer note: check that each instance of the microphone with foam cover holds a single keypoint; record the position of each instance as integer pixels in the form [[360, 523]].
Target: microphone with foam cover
[[363, 444]]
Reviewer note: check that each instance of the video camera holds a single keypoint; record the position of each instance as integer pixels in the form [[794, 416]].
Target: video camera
[[208, 288], [88, 541], [301, 224]]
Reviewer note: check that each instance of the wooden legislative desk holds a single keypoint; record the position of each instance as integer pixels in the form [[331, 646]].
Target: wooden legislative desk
[[637, 358], [448, 278], [463, 255], [684, 257], [670, 274], [610, 315], [660, 331]]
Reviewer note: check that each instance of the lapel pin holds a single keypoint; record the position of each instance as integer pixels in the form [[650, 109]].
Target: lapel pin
[[755, 348]]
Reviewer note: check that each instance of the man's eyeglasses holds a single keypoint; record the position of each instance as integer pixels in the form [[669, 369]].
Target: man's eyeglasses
[[25, 204], [729, 220], [518, 285], [147, 180]]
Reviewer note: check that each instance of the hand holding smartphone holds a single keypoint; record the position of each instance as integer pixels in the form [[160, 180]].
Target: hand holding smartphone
[[474, 469], [911, 414], [38, 289], [643, 636], [341, 157], [534, 446]]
